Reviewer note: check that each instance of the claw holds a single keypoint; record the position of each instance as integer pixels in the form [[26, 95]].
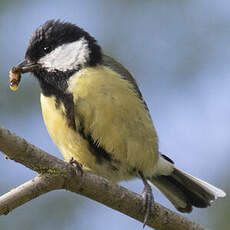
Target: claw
[[76, 165], [148, 199]]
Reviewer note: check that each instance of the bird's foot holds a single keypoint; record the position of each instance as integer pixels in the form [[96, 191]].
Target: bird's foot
[[148, 199], [76, 165]]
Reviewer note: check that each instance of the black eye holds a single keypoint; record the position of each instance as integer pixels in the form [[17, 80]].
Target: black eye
[[47, 49]]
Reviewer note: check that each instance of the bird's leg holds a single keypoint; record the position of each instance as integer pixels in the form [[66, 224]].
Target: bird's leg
[[76, 165], [148, 198]]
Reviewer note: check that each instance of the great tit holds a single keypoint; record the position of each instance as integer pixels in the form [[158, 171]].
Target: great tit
[[95, 114]]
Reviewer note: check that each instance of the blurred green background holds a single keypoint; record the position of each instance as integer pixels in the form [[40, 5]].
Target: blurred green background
[[179, 52]]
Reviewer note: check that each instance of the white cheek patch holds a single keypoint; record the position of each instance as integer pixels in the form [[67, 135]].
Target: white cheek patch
[[67, 56]]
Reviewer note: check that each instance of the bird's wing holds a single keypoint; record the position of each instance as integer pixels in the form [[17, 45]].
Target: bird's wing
[[111, 115]]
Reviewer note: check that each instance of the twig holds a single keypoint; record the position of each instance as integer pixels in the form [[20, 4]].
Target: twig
[[29, 191], [57, 174]]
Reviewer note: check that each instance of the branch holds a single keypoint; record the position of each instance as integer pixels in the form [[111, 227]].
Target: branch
[[28, 191], [57, 174]]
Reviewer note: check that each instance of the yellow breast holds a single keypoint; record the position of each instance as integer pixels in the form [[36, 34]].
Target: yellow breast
[[108, 109], [115, 117], [71, 144], [57, 125]]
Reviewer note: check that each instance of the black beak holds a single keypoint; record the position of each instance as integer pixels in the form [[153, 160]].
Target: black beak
[[25, 67]]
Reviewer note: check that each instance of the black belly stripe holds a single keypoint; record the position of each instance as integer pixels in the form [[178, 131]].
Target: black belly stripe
[[101, 155], [67, 100], [55, 84], [95, 148], [98, 151]]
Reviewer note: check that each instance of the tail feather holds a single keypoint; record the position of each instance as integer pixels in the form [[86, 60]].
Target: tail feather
[[174, 194], [185, 191]]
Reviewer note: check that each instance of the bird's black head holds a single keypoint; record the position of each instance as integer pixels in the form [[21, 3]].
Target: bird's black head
[[59, 37], [58, 49]]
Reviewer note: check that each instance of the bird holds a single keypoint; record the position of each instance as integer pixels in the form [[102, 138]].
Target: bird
[[96, 115]]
